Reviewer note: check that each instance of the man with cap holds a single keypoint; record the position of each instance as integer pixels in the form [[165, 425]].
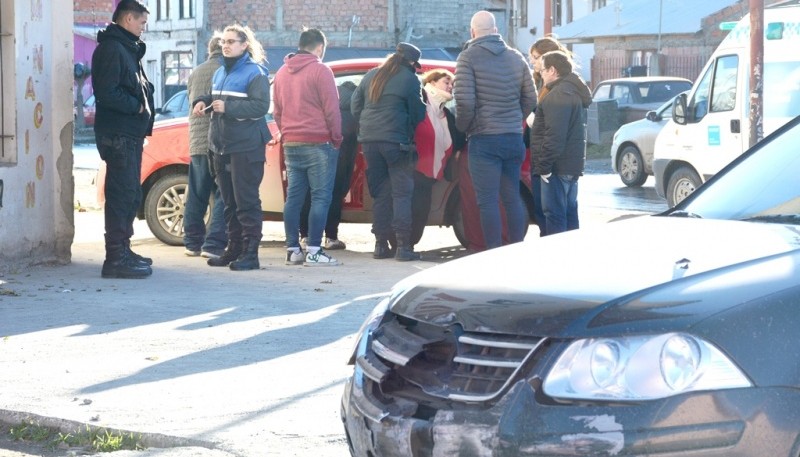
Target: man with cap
[[388, 106]]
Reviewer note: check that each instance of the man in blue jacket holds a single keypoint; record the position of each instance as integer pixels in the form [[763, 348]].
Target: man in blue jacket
[[494, 92], [124, 98]]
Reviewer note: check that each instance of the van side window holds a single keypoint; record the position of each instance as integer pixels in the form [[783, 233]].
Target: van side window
[[723, 92], [699, 102]]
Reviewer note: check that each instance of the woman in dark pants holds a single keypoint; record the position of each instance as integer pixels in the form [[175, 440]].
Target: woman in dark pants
[[437, 141], [238, 134], [388, 106]]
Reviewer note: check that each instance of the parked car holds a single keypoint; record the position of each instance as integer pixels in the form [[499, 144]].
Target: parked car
[[632, 146], [637, 95], [176, 106], [687, 348], [165, 162], [88, 112]]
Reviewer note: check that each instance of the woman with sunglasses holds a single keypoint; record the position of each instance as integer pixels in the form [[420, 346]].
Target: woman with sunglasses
[[238, 134]]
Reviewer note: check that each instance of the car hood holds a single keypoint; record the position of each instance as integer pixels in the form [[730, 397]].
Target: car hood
[[541, 286]]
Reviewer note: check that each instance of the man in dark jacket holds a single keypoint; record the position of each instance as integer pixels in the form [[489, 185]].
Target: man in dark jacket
[[124, 98], [196, 240], [494, 92], [558, 141]]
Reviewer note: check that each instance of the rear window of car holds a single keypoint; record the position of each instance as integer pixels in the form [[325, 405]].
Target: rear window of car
[[661, 91]]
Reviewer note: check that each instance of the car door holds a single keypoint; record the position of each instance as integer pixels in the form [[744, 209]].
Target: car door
[[718, 112]]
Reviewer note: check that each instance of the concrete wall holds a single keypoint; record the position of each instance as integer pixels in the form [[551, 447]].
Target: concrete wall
[[36, 216]]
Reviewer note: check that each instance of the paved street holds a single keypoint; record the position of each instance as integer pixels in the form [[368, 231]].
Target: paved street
[[247, 363]]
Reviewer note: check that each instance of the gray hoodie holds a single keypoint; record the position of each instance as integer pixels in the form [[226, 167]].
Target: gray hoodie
[[493, 88]]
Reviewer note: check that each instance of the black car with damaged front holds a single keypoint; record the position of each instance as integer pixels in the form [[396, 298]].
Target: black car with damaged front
[[559, 346]]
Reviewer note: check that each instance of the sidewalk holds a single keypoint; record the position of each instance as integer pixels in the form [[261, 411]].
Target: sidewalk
[[227, 363]]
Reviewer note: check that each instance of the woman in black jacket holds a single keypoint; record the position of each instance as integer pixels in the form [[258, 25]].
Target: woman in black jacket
[[388, 106]]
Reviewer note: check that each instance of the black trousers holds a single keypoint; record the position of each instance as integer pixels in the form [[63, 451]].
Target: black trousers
[[420, 205], [123, 188], [238, 176]]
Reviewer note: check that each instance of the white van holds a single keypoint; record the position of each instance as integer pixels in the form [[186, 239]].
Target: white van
[[710, 125]]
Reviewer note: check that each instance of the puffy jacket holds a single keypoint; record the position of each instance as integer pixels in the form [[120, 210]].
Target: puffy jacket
[[244, 86], [306, 102], [558, 135], [395, 115], [493, 88], [200, 85], [120, 85]]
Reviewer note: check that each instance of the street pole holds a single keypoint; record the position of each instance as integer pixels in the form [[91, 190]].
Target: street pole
[[756, 114]]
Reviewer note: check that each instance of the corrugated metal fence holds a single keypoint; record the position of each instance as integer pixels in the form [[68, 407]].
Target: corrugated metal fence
[[688, 67]]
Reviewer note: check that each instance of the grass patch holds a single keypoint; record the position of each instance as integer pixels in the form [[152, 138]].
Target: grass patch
[[95, 439]]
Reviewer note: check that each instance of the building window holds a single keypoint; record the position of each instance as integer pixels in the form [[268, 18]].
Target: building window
[[162, 10], [8, 91], [186, 9], [597, 4], [556, 10], [176, 66], [523, 14]]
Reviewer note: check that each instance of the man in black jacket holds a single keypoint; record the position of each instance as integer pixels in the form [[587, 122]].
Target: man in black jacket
[[124, 98], [558, 141]]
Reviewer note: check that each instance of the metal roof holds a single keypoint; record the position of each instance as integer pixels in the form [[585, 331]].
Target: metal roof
[[640, 17]]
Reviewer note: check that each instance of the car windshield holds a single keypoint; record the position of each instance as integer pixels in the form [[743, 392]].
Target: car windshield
[[662, 91], [762, 187]]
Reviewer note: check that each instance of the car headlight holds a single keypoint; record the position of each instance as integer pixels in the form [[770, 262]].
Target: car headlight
[[640, 368], [372, 322]]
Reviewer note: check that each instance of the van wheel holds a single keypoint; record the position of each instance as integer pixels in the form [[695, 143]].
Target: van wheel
[[631, 167], [163, 208], [681, 184]]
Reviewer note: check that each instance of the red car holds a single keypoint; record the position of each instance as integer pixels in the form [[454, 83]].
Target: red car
[[165, 165]]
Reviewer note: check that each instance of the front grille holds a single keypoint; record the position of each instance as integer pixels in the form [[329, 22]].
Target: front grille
[[415, 360]]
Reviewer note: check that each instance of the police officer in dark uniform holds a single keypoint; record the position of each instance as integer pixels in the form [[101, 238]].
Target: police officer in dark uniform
[[124, 99], [238, 134]]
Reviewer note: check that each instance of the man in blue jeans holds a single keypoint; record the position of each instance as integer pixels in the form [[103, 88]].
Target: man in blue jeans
[[196, 240], [306, 110], [494, 92], [558, 141]]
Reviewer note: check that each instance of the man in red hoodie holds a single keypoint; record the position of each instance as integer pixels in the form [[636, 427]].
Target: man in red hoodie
[[306, 110]]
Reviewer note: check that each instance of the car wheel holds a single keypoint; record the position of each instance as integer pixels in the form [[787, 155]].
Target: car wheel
[[163, 208], [681, 184], [457, 218], [631, 167]]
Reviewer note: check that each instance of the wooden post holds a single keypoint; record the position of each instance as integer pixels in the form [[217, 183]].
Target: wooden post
[[756, 114]]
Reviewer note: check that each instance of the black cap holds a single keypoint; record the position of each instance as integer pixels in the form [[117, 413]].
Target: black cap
[[410, 52]]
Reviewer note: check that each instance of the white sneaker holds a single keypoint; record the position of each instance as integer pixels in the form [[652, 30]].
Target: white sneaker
[[320, 259], [294, 257], [190, 253], [334, 244]]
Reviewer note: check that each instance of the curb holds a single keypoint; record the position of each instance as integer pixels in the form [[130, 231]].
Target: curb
[[149, 440]]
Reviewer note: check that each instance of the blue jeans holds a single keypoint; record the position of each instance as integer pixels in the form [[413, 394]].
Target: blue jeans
[[308, 168], [560, 203], [538, 211], [494, 164], [201, 185], [390, 178]]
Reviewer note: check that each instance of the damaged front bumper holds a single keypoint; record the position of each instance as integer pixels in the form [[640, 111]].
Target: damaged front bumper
[[737, 422]]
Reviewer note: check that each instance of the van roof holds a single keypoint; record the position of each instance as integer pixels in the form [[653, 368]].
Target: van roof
[[786, 13]]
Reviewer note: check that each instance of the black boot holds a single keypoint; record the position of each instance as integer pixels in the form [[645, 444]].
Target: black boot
[[382, 249], [119, 264], [248, 259], [139, 258], [232, 251], [405, 250]]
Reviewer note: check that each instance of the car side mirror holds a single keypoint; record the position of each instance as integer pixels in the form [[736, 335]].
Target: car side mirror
[[679, 110], [652, 116]]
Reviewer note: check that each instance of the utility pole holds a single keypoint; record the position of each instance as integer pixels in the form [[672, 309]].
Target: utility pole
[[756, 71]]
